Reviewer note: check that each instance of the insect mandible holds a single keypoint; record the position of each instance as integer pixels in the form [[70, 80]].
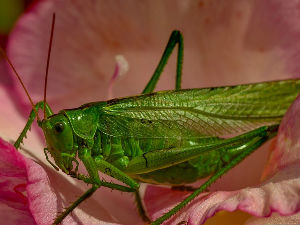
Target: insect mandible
[[156, 137]]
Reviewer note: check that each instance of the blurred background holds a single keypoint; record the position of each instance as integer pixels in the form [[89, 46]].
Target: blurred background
[[10, 10]]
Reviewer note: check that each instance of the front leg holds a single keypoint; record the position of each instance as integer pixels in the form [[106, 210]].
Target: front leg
[[47, 158], [88, 180], [32, 116], [94, 165]]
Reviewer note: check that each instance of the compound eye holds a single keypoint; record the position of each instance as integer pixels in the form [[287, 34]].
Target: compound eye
[[59, 127]]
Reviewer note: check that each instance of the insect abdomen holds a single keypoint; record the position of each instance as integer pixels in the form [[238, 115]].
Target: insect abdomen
[[119, 151], [113, 148], [186, 172]]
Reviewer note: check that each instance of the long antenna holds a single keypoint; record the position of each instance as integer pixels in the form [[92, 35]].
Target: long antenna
[[47, 67], [21, 82]]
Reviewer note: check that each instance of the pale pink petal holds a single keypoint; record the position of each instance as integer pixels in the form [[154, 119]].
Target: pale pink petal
[[225, 43], [287, 148], [280, 193]]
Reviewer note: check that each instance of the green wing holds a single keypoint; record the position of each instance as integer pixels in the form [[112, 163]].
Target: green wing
[[203, 112]]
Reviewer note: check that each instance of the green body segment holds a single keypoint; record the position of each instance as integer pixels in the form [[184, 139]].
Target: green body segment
[[120, 151], [121, 130]]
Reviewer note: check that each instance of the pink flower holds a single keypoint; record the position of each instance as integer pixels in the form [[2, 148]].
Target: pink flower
[[26, 195], [232, 43]]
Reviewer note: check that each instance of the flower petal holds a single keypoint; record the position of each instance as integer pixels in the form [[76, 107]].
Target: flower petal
[[14, 208], [287, 147], [225, 43], [42, 200]]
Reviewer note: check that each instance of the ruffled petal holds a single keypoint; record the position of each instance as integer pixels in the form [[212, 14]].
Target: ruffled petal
[[14, 203], [42, 199]]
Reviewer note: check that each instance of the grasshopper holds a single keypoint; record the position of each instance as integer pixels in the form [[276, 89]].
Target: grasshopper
[[170, 137]]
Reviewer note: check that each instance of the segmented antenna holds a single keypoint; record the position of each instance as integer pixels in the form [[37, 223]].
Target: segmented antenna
[[48, 60], [21, 82]]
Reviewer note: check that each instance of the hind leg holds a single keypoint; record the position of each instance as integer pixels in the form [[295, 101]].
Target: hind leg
[[175, 38]]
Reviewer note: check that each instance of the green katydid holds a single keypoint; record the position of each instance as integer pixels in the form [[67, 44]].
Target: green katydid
[[156, 137]]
